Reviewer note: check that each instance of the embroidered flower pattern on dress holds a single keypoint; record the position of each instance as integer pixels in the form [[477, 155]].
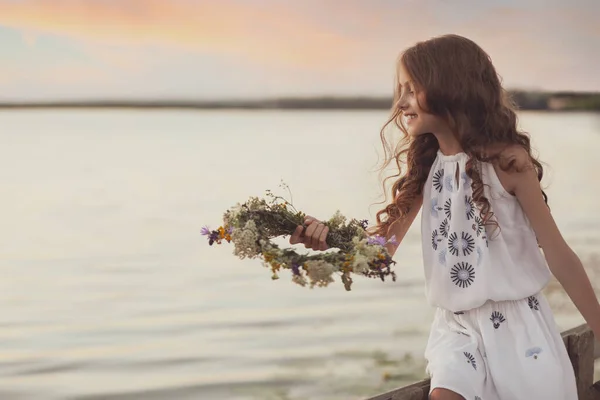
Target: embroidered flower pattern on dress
[[469, 208], [462, 274], [466, 244], [478, 226], [471, 360], [497, 318], [533, 352], [533, 303], [449, 183], [435, 208], [453, 243], [437, 180], [448, 208], [442, 256], [466, 181], [444, 228], [462, 242], [435, 239]]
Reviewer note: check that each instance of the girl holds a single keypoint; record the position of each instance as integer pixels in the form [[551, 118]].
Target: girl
[[483, 217]]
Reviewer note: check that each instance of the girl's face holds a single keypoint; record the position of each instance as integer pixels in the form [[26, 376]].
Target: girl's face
[[414, 118]]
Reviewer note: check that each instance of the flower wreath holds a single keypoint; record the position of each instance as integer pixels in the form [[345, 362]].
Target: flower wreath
[[252, 225]]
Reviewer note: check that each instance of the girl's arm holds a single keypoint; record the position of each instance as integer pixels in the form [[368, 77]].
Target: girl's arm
[[562, 261], [401, 225]]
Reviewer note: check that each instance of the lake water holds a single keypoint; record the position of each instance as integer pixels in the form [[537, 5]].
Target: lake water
[[108, 291]]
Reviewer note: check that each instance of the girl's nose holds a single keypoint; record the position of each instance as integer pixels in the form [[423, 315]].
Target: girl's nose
[[402, 104]]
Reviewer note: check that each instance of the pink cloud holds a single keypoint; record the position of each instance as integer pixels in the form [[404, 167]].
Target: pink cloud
[[275, 33], [305, 46]]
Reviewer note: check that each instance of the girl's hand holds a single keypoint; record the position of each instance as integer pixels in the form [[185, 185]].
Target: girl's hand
[[313, 234]]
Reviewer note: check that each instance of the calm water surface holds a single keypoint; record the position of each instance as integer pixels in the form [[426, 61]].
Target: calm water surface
[[109, 292]]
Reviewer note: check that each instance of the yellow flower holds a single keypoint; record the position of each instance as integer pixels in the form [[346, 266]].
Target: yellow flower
[[275, 266]]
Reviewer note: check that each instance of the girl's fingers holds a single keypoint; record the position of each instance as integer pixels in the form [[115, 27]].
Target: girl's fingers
[[315, 237], [308, 235], [295, 238], [313, 234], [323, 239], [309, 220]]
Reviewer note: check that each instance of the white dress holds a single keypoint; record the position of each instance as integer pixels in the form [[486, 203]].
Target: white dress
[[493, 336]]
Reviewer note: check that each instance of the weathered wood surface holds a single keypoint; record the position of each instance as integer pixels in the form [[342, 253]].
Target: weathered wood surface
[[582, 349]]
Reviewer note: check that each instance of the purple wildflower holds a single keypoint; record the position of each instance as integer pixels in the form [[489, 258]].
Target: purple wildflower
[[381, 241], [393, 240], [230, 230], [296, 269], [364, 223], [214, 237], [378, 240]]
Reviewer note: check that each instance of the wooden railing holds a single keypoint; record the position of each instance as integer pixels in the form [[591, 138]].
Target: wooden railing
[[582, 352]]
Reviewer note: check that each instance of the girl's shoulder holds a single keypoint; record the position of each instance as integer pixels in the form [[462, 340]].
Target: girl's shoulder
[[508, 162], [514, 154]]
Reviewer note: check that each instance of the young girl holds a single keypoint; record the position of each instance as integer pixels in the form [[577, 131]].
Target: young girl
[[484, 218]]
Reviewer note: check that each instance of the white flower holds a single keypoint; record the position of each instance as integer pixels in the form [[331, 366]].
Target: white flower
[[337, 220], [231, 216], [256, 204], [299, 279], [245, 241], [319, 272], [362, 247], [360, 264]]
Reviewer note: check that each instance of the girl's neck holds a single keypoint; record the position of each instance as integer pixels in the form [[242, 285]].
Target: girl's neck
[[449, 145]]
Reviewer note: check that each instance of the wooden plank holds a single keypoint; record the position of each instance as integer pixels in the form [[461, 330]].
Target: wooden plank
[[596, 388], [581, 353], [595, 391], [416, 391], [583, 350]]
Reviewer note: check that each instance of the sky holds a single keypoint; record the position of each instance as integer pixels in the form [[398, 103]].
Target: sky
[[225, 49]]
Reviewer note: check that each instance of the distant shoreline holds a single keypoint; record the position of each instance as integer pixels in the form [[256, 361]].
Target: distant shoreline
[[543, 101]]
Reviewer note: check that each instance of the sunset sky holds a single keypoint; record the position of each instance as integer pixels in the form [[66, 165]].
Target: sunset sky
[[64, 49]]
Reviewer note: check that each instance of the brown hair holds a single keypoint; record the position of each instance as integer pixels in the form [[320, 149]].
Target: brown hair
[[461, 85]]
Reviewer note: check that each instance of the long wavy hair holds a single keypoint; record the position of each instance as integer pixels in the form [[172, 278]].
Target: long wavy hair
[[460, 85]]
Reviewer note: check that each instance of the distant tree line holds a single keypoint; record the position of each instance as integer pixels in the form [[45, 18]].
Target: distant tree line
[[557, 100], [525, 100]]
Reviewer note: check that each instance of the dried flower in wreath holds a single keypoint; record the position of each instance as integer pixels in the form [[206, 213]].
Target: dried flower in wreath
[[252, 225]]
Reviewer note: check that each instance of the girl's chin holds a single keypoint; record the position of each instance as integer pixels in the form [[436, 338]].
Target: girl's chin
[[414, 132]]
